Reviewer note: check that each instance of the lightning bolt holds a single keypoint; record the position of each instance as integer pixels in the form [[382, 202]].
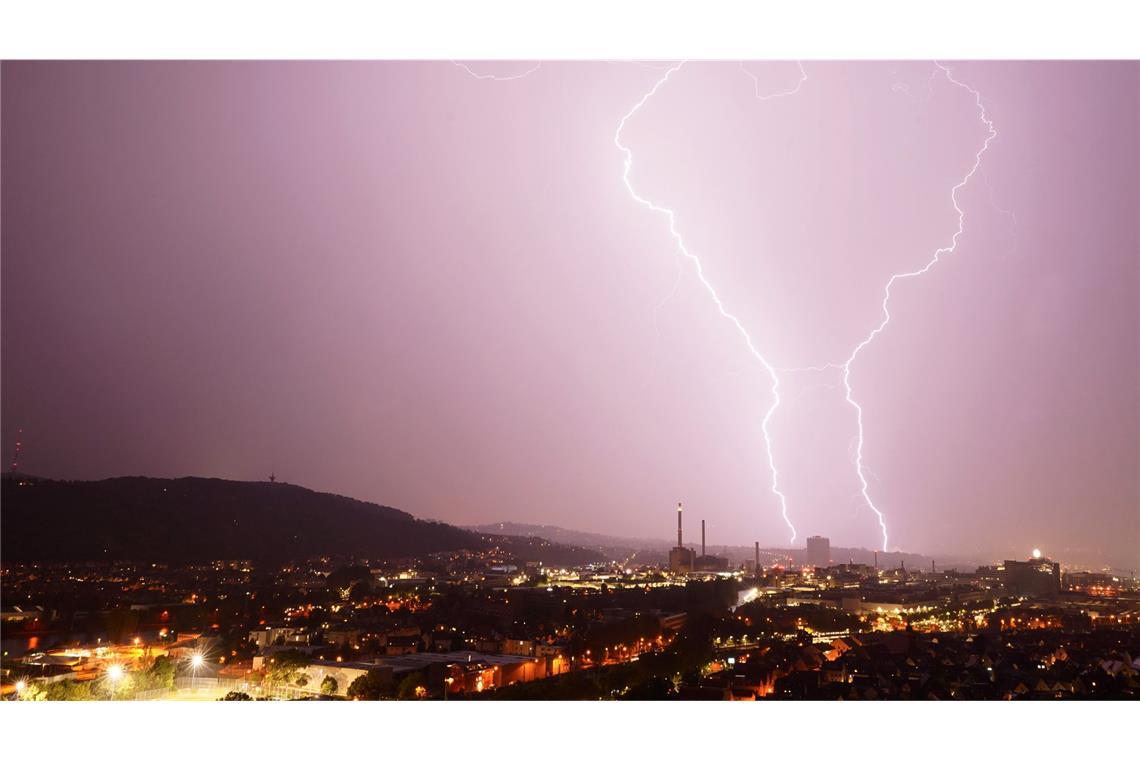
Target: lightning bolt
[[495, 78], [928, 93], [759, 96], [680, 241], [774, 95], [860, 468], [640, 64]]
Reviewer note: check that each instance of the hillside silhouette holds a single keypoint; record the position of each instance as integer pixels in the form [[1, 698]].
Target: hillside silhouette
[[188, 519]]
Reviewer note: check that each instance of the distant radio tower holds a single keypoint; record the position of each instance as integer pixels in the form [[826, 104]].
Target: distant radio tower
[[273, 477], [19, 448]]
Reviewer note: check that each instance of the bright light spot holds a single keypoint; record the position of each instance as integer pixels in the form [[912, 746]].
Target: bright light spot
[[115, 672], [21, 685], [196, 660], [1036, 554]]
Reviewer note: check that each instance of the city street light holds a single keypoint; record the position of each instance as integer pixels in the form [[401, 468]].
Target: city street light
[[115, 675], [196, 663]]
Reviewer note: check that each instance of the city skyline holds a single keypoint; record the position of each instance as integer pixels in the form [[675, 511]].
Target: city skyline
[[426, 285]]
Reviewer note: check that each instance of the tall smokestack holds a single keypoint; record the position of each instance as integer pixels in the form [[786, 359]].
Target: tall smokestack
[[757, 557], [932, 570], [876, 560], [702, 538], [679, 543]]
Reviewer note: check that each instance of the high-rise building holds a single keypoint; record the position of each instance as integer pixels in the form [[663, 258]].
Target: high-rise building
[[818, 551]]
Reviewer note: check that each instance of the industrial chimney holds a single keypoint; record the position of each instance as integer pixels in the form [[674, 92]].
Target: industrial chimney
[[757, 557], [679, 543], [702, 538]]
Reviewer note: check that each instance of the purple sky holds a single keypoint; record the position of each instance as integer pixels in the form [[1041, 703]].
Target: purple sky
[[404, 283]]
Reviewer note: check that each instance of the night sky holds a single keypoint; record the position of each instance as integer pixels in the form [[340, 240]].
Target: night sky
[[412, 285]]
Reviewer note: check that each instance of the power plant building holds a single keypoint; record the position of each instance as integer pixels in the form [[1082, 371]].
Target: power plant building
[[681, 559], [709, 563]]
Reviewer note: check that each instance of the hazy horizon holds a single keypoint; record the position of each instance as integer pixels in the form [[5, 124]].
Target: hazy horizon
[[415, 286]]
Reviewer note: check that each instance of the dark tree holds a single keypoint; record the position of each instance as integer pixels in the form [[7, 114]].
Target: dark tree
[[371, 686], [160, 675], [236, 696], [655, 688], [409, 685], [284, 667]]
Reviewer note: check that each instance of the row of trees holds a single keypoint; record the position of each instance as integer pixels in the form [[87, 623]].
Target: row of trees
[[375, 685]]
